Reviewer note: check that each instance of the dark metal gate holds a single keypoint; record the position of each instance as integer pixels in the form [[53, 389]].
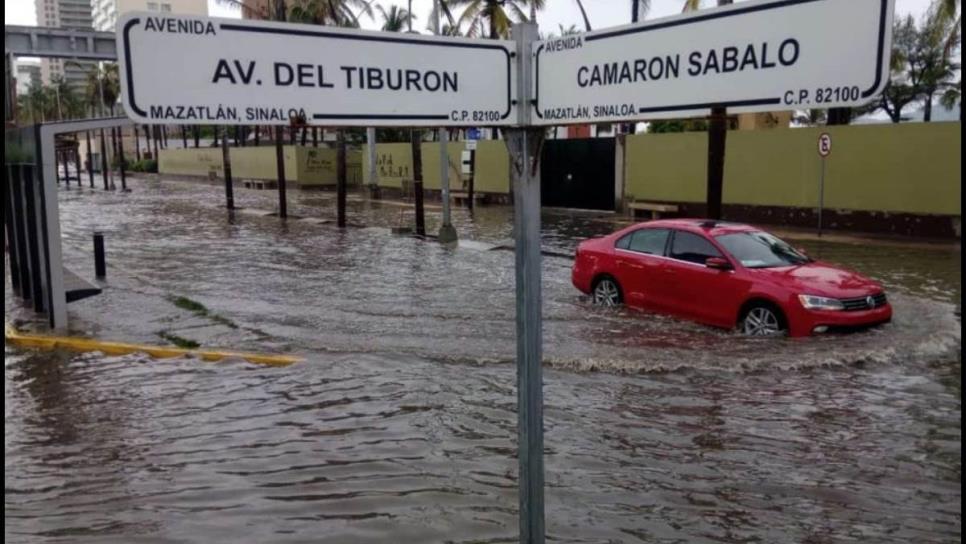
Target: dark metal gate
[[578, 173]]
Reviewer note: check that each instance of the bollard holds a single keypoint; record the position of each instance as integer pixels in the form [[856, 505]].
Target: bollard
[[100, 266]]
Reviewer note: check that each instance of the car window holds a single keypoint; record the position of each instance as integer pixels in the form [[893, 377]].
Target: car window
[[692, 248], [650, 241], [624, 242]]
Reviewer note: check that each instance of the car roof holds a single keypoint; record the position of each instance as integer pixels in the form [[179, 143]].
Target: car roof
[[709, 227]]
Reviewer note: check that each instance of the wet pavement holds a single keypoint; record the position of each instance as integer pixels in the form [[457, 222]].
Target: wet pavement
[[400, 424]]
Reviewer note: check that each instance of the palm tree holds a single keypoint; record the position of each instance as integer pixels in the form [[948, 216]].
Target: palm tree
[[498, 16], [948, 13], [330, 12], [395, 19], [639, 9]]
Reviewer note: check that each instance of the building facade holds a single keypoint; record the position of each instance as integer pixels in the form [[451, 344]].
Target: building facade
[[106, 12], [65, 14]]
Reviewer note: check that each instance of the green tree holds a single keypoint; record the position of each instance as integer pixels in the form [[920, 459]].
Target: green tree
[[497, 16], [677, 125], [344, 13]]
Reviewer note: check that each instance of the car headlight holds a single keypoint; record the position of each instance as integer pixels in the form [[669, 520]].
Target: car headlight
[[813, 302]]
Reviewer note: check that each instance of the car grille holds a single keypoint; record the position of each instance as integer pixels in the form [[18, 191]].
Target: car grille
[[862, 303]]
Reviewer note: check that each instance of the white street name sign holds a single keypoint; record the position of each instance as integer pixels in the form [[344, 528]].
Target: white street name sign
[[751, 56], [201, 70]]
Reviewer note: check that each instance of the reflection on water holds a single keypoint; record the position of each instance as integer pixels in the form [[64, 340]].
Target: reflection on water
[[400, 426]]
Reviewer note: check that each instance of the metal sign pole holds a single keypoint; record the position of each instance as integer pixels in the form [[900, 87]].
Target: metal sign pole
[[821, 197], [371, 145], [524, 143], [824, 150]]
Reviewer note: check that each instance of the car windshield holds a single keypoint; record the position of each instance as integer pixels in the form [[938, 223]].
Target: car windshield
[[760, 250]]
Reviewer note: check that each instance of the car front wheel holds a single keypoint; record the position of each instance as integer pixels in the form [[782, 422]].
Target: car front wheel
[[607, 293], [762, 320]]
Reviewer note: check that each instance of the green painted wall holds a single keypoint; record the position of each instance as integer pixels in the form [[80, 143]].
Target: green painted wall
[[913, 168]]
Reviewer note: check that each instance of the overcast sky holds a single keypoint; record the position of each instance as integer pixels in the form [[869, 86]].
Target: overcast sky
[[602, 13]]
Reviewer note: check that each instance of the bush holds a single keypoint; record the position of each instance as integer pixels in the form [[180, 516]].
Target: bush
[[144, 165]]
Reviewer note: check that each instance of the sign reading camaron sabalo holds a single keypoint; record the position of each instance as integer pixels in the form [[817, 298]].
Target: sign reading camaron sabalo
[[200, 70], [751, 56]]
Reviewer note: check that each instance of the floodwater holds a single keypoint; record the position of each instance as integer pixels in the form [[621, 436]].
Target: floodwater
[[400, 424]]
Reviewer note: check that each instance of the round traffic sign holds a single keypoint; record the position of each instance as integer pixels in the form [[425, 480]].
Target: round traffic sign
[[825, 144]]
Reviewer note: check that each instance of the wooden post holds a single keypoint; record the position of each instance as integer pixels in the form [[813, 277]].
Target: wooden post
[[280, 168], [104, 161], [121, 161], [341, 179], [717, 134], [90, 160], [226, 168], [418, 181]]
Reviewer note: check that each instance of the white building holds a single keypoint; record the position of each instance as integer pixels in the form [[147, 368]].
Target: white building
[[28, 73], [106, 12]]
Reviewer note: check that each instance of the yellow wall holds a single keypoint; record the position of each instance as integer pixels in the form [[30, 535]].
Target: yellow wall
[[317, 166], [190, 162], [259, 162], [394, 164], [913, 168], [303, 165], [431, 165], [492, 167]]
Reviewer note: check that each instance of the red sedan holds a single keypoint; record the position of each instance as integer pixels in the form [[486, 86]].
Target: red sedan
[[726, 275]]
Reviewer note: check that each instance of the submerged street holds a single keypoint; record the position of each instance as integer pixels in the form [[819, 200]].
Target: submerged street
[[400, 423]]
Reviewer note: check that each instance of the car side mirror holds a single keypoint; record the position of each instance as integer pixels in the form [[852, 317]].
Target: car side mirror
[[718, 263]]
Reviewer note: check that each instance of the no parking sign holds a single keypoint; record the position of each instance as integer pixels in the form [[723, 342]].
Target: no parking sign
[[825, 144]]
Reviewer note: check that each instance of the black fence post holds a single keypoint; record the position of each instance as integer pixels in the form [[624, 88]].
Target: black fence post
[[100, 263]]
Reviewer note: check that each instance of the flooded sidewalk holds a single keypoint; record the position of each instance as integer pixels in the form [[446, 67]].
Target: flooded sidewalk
[[400, 424]]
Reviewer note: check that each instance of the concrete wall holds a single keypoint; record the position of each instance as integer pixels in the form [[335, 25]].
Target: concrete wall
[[910, 168]]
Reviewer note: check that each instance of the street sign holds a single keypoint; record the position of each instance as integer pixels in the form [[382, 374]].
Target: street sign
[[200, 70], [764, 55], [824, 145]]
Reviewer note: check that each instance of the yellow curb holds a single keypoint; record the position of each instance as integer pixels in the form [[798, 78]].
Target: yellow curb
[[83, 345]]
